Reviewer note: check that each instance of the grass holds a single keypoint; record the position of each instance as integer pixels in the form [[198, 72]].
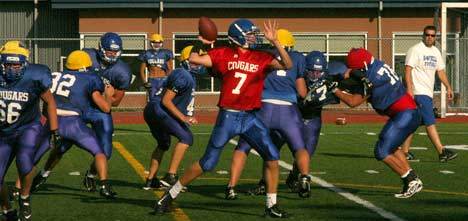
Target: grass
[[344, 154]]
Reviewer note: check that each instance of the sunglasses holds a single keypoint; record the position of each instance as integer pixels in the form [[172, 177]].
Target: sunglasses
[[427, 35]]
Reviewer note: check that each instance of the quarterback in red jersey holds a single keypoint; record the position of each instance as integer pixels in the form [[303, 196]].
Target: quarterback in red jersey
[[242, 71]]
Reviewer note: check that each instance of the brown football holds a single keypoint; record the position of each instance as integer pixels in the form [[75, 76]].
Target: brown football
[[207, 28], [340, 121]]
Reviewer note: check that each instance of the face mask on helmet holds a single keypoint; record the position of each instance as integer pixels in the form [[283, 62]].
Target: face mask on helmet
[[244, 33], [13, 66], [110, 47], [156, 45], [314, 74]]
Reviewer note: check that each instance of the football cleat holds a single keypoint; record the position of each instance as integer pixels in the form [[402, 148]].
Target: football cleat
[[169, 179], [260, 189], [164, 204], [447, 155], [304, 186], [25, 212], [230, 193], [106, 191], [14, 194], [152, 184], [410, 189], [292, 181], [37, 182], [10, 216], [275, 212], [89, 182]]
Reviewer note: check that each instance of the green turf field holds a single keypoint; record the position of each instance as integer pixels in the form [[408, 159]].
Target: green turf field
[[344, 155]]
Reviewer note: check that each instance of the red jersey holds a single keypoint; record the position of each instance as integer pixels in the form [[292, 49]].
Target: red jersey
[[242, 75]]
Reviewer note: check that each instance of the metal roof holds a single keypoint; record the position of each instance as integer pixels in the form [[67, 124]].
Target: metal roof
[[77, 4]]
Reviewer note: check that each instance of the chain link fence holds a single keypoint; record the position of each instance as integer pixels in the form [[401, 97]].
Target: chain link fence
[[52, 52]]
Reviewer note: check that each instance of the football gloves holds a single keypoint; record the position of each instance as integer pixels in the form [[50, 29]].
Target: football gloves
[[55, 139]]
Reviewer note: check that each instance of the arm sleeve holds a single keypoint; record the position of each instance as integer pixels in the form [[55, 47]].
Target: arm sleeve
[[176, 82], [411, 58], [45, 82], [170, 55], [96, 85], [440, 61], [215, 56], [301, 66], [123, 77]]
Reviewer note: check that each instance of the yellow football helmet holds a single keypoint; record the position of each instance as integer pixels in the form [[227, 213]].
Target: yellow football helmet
[[78, 60], [156, 38], [285, 38], [14, 48], [185, 54]]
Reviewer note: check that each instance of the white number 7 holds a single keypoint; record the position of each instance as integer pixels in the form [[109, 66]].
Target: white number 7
[[242, 77]]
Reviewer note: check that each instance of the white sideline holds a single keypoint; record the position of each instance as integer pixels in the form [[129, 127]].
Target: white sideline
[[385, 214]]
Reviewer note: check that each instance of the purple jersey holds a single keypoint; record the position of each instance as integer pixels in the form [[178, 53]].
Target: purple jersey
[[19, 101], [158, 58], [182, 83], [281, 84], [73, 90]]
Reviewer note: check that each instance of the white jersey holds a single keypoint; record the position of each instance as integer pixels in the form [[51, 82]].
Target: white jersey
[[425, 61]]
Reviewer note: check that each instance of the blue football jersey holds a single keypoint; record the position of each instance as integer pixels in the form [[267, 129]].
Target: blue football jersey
[[158, 58], [73, 90], [317, 97], [157, 87], [387, 86], [19, 101], [118, 74], [281, 84], [182, 83]]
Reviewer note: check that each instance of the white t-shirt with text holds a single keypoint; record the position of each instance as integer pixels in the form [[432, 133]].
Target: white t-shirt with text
[[425, 61]]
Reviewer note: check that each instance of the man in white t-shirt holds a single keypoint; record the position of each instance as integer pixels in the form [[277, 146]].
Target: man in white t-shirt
[[423, 61]]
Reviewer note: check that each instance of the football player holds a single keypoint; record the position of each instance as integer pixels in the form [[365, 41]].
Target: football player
[[116, 73], [22, 85], [388, 96], [318, 70], [156, 61], [242, 71], [75, 91], [280, 114], [170, 112]]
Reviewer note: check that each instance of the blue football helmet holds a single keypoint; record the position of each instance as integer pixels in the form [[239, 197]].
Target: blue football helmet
[[110, 42], [316, 65], [244, 33], [13, 59]]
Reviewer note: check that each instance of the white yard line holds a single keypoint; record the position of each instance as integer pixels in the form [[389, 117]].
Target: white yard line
[[385, 214], [457, 147]]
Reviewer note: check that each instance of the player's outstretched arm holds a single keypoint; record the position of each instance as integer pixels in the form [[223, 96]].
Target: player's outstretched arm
[[198, 54], [168, 96], [301, 87], [352, 100], [271, 35], [48, 98]]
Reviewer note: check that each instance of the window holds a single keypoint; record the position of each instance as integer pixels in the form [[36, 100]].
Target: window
[[133, 44], [334, 45], [403, 41]]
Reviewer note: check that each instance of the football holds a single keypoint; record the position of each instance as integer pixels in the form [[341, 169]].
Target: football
[[207, 28], [340, 121]]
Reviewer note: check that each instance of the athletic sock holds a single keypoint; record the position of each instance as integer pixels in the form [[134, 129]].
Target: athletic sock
[[270, 199]]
